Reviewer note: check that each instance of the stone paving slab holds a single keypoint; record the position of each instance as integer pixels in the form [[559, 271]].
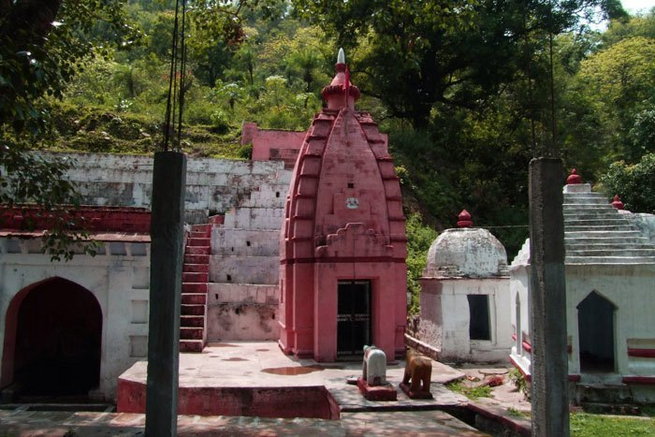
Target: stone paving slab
[[407, 423]]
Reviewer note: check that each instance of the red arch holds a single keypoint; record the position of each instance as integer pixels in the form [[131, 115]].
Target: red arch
[[11, 323]]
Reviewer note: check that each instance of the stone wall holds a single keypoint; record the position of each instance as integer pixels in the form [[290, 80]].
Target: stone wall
[[242, 306], [214, 186], [244, 266]]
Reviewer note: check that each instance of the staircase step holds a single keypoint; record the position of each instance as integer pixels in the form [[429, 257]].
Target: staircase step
[[187, 345], [192, 321], [206, 228], [618, 245], [604, 238], [197, 250], [194, 287], [599, 233], [191, 333], [194, 298], [616, 221], [199, 234], [629, 252], [192, 267], [196, 259], [597, 228], [194, 242], [610, 260], [193, 310], [571, 207], [195, 277]]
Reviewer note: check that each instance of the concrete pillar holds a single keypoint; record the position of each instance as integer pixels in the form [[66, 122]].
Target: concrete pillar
[[550, 413], [167, 251]]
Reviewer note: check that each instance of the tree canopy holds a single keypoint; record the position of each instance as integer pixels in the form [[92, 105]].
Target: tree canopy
[[463, 87]]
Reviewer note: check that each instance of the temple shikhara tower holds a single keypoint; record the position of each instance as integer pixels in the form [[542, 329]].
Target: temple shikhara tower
[[343, 243]]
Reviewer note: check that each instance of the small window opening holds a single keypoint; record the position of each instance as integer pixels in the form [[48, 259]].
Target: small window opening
[[229, 278], [248, 243], [277, 194], [351, 185], [479, 327]]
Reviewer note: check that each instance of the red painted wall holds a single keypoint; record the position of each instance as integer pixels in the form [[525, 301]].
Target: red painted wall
[[343, 221], [272, 145]]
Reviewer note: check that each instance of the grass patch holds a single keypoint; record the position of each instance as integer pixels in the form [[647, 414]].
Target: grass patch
[[475, 392], [513, 412], [592, 425]]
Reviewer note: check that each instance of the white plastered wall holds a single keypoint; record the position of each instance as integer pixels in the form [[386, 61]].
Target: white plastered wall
[[119, 279]]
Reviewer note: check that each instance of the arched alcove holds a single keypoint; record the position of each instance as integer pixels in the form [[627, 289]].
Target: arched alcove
[[52, 343], [596, 333]]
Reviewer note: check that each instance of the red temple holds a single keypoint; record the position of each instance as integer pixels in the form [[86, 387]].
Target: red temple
[[343, 243]]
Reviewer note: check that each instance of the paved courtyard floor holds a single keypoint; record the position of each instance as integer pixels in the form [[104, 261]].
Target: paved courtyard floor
[[262, 364]]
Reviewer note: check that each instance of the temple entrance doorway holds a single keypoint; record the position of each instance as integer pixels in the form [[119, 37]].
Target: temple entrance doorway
[[353, 318], [58, 327], [596, 331]]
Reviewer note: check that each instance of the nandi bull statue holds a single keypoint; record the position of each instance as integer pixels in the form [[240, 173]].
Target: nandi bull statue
[[373, 384], [418, 371]]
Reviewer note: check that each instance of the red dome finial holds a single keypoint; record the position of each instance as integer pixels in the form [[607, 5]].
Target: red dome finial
[[464, 219], [616, 202], [574, 178]]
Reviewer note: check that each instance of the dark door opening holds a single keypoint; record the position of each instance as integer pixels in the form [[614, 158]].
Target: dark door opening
[[596, 331], [58, 339], [479, 325], [353, 317]]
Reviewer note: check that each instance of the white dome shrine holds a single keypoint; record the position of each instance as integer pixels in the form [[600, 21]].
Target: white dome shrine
[[466, 252]]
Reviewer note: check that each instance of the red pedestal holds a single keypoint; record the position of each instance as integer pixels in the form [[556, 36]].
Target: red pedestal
[[377, 392]]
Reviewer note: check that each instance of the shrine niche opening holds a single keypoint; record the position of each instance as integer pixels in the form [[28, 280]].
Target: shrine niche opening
[[596, 334], [52, 343]]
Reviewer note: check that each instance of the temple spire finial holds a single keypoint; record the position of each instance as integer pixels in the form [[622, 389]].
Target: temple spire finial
[[341, 57]]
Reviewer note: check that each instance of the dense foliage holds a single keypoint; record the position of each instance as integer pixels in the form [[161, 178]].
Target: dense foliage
[[463, 87]]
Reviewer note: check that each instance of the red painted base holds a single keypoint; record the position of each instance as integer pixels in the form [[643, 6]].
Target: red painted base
[[377, 392], [286, 402], [417, 395]]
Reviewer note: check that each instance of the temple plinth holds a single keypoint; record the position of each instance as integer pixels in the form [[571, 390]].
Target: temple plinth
[[343, 243]]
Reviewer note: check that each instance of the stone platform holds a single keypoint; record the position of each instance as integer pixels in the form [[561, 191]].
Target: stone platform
[[257, 379]]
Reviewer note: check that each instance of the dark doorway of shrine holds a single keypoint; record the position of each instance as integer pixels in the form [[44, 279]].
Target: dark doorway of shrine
[[58, 339], [596, 334], [353, 318]]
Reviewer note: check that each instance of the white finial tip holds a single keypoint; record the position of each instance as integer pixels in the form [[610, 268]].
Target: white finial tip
[[341, 57]]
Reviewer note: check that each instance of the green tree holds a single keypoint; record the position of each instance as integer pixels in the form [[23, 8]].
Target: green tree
[[633, 183], [618, 82], [42, 45], [419, 239], [454, 52]]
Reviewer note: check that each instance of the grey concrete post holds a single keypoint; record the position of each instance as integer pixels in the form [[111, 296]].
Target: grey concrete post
[[550, 412], [167, 251]]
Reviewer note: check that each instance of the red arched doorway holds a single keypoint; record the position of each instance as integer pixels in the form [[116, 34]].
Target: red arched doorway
[[52, 340]]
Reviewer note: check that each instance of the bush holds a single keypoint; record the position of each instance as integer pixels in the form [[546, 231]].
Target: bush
[[633, 183]]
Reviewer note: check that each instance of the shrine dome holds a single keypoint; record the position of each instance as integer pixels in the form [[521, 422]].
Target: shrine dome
[[466, 252]]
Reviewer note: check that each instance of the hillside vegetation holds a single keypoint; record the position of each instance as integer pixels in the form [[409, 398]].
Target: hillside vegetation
[[463, 88]]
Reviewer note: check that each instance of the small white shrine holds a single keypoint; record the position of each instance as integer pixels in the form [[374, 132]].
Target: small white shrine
[[465, 302], [610, 299]]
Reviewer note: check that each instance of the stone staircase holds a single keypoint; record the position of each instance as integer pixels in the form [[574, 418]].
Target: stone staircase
[[597, 233], [195, 278]]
